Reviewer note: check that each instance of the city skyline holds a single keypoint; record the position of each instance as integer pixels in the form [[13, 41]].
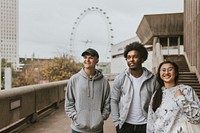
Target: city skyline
[[9, 31], [45, 26]]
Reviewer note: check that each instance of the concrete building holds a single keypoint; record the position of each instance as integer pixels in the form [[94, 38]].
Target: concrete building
[[192, 34], [9, 48], [165, 30]]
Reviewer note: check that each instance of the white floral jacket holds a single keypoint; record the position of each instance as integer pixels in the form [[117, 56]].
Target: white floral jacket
[[166, 119]]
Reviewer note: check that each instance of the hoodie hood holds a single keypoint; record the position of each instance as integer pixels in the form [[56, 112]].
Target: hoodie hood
[[98, 75], [146, 72]]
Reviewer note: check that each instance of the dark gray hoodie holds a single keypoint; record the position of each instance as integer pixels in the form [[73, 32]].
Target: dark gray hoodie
[[87, 102]]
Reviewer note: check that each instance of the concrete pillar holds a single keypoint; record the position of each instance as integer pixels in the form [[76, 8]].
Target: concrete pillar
[[8, 78]]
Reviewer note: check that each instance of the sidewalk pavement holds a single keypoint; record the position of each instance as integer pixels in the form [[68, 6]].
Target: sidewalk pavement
[[58, 122]]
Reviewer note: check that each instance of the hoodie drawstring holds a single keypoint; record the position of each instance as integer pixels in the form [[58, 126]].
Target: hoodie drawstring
[[92, 91], [91, 88], [88, 88]]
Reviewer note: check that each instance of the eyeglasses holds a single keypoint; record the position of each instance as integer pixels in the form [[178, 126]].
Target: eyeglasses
[[167, 69]]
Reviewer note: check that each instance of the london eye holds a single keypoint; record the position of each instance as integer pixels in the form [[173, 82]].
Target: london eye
[[78, 42]]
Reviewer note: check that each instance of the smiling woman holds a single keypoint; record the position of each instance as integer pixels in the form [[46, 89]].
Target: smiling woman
[[172, 103], [168, 74]]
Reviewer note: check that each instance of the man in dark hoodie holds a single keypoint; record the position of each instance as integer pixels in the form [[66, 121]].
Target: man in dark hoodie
[[87, 99]]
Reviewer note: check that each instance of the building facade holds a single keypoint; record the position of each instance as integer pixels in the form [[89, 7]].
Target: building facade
[[9, 49], [192, 34], [164, 32]]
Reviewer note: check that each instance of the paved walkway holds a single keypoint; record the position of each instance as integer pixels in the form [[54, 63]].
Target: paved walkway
[[58, 122]]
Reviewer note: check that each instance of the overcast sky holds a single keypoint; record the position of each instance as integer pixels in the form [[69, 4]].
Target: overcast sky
[[45, 26]]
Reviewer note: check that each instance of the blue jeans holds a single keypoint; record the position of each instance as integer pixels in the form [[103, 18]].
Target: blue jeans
[[73, 131]]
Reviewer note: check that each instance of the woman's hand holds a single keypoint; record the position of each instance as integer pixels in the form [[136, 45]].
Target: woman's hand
[[178, 93]]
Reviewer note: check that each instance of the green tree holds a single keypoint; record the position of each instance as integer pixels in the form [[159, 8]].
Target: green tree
[[59, 68]]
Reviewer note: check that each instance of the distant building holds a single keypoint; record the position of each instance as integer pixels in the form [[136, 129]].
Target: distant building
[[9, 48], [26, 61], [104, 67]]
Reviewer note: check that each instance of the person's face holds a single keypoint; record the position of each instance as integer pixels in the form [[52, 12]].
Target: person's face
[[134, 60], [89, 61], [167, 73]]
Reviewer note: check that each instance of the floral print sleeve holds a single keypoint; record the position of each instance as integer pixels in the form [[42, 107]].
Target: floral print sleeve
[[189, 104], [166, 119]]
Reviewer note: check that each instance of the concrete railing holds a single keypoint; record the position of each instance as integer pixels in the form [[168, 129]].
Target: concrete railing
[[28, 102]]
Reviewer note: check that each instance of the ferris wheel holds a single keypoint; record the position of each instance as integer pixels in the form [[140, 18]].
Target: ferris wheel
[[109, 39]]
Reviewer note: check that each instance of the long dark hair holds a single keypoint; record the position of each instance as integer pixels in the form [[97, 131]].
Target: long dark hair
[[157, 99]]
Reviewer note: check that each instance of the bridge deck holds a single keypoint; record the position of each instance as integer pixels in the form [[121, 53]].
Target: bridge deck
[[58, 122]]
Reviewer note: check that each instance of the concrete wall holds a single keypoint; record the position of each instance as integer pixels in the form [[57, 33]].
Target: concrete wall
[[192, 34], [118, 64], [28, 101]]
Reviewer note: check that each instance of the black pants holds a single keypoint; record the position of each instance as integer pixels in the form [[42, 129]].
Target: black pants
[[129, 128]]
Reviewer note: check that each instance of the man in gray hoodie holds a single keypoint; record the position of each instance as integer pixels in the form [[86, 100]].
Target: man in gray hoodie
[[87, 99], [132, 91]]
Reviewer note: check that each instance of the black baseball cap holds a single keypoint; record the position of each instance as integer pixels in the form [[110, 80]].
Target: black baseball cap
[[90, 51]]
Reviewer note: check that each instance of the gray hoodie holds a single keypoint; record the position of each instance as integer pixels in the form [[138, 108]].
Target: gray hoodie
[[122, 93], [87, 102]]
